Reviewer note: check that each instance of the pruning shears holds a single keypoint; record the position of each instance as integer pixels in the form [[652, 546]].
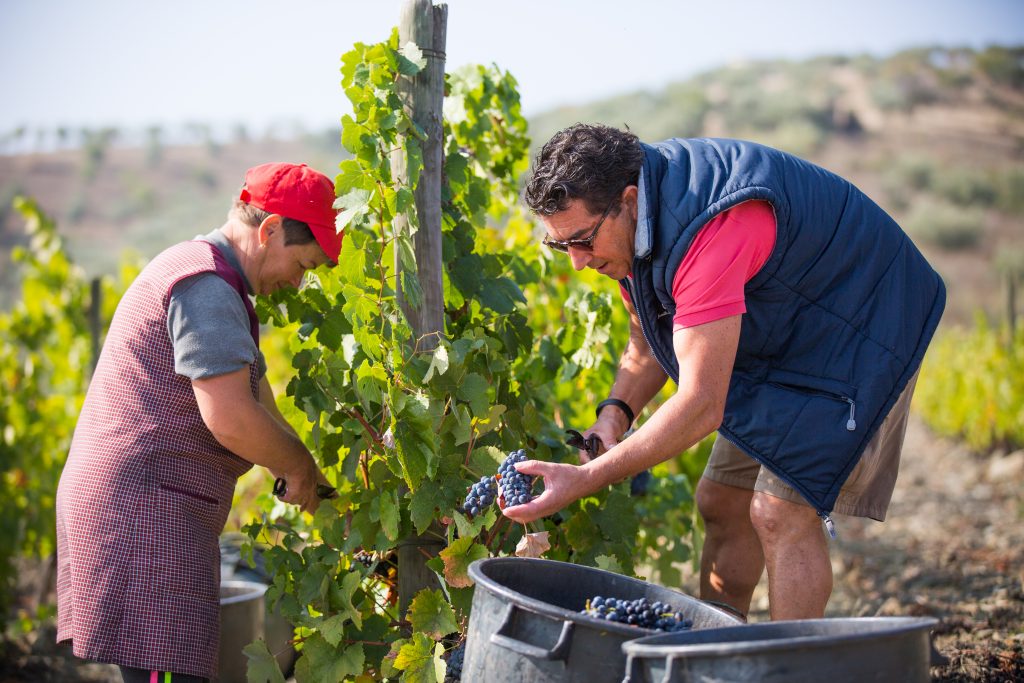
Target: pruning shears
[[323, 491], [637, 485], [591, 444]]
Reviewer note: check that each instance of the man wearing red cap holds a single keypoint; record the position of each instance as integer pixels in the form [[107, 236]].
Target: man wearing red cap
[[178, 408]]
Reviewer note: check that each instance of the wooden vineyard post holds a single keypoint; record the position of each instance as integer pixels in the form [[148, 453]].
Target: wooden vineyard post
[[425, 25]]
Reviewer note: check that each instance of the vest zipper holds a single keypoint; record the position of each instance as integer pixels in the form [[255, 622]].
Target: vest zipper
[[643, 330], [851, 423], [829, 525]]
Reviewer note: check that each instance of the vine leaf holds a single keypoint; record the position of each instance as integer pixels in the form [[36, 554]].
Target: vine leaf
[[341, 598], [438, 363], [410, 59], [608, 563], [533, 545], [322, 662], [422, 507], [355, 205], [457, 558], [420, 659], [431, 614], [262, 665], [473, 390]]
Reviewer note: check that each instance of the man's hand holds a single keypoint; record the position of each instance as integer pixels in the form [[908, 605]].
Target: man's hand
[[608, 430], [302, 487], [562, 485]]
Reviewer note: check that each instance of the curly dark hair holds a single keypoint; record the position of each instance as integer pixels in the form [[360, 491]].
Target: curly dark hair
[[593, 163]]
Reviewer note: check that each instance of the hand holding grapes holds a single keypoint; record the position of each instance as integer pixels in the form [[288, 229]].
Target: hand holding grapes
[[563, 484]]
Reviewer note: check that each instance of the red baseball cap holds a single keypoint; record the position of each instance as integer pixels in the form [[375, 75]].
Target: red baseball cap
[[296, 191]]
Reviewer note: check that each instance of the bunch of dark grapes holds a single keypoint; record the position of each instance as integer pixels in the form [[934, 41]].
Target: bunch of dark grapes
[[364, 558], [455, 659], [515, 486], [481, 494], [656, 616]]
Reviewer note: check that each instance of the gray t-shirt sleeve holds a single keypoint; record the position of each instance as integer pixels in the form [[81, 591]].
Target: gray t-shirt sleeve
[[209, 328]]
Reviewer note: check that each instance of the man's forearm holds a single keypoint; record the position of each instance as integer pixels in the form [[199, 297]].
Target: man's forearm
[[253, 434], [638, 379], [680, 422]]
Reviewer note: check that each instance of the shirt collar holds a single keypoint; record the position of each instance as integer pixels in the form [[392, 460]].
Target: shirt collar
[[218, 239], [642, 238]]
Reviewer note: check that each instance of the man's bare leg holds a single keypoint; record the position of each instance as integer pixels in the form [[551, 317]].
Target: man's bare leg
[[796, 554], [732, 560]]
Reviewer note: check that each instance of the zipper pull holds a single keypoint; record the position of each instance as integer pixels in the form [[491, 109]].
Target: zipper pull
[[829, 526], [851, 424]]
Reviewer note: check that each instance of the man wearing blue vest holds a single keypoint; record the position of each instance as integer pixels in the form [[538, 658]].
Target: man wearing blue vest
[[791, 311]]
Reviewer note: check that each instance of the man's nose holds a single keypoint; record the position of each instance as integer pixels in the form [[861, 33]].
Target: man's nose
[[297, 280], [579, 257]]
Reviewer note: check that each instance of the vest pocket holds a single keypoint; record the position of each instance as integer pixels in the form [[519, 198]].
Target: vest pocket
[[822, 387]]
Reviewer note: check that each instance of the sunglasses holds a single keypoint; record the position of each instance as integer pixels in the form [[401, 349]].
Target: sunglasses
[[586, 243]]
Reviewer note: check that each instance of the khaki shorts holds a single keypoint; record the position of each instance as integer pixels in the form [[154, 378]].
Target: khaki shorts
[[866, 492]]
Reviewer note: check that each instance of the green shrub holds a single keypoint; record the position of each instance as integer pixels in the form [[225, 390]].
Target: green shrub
[[972, 386], [945, 225], [964, 186]]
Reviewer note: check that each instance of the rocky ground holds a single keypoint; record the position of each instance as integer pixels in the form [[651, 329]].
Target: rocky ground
[[953, 548]]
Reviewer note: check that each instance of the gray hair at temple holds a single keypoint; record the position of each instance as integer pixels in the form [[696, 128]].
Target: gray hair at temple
[[593, 163]]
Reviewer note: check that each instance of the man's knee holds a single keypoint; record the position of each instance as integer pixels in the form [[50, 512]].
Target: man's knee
[[720, 504], [776, 518]]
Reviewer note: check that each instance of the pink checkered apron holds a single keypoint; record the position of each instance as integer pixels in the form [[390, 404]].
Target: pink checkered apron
[[145, 492]]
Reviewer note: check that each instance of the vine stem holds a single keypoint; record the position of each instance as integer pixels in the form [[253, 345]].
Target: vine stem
[[494, 531]]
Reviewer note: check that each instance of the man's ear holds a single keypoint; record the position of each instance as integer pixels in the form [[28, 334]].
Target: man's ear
[[629, 198], [268, 227]]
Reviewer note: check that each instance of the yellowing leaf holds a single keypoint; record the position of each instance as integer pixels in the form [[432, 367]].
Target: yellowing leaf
[[457, 558]]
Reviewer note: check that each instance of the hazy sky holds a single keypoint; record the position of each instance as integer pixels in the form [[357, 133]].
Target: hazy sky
[[131, 63]]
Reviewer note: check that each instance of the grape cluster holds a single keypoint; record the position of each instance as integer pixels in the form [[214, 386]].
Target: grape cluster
[[481, 494], [657, 615], [455, 660], [364, 558], [515, 486]]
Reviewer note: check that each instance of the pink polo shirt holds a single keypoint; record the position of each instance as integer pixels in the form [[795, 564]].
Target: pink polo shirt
[[725, 255]]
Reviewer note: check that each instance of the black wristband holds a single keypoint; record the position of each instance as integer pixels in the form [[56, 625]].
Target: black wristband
[[620, 404]]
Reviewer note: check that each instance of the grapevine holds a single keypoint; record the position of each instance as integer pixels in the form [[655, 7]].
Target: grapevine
[[404, 433]]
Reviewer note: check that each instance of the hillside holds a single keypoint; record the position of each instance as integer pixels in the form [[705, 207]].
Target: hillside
[[934, 135]]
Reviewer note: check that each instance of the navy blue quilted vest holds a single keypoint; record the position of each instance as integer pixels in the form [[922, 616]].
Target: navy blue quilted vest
[[838, 318]]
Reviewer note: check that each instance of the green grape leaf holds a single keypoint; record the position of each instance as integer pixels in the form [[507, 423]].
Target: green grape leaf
[[321, 662], [431, 614], [420, 659], [341, 598], [472, 527], [462, 424], [501, 295], [354, 205], [438, 362], [485, 460], [263, 666], [371, 382], [609, 564], [389, 514], [351, 177], [473, 390], [411, 60], [616, 518], [422, 507]]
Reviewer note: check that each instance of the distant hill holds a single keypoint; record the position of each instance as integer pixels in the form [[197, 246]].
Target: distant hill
[[935, 135]]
